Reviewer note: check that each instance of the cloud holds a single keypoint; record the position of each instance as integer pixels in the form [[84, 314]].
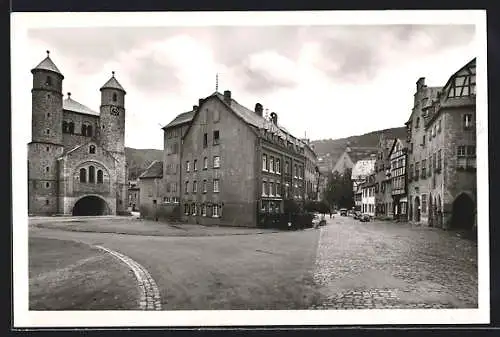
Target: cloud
[[359, 53], [266, 71], [323, 79]]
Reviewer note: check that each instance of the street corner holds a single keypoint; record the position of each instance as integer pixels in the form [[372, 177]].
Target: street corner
[[68, 275]]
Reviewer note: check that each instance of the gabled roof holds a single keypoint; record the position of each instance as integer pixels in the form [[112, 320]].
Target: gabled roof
[[154, 170], [47, 64], [471, 63], [69, 151], [395, 141], [70, 104], [112, 83], [180, 119], [253, 119]]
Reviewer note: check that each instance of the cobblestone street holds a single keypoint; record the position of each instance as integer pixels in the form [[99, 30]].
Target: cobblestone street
[[363, 265]]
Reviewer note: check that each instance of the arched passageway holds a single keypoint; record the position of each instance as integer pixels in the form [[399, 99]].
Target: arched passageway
[[463, 209], [416, 209], [91, 205]]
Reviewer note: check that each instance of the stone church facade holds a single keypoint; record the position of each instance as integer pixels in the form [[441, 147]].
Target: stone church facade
[[76, 158]]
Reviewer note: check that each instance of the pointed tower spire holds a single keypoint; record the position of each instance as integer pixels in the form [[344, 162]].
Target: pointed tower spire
[[47, 64], [217, 82]]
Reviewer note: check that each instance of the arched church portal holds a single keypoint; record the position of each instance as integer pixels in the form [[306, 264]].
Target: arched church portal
[[91, 205]]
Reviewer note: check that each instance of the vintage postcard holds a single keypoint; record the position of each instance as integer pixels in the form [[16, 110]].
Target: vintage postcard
[[250, 168]]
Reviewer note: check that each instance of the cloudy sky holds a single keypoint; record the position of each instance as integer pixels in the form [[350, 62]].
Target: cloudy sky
[[323, 81]]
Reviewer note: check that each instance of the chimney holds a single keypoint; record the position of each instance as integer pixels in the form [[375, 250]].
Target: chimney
[[274, 117], [227, 97], [259, 109], [200, 102], [195, 108]]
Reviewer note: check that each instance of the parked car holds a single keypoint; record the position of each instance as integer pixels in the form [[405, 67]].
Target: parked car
[[364, 217], [318, 220], [357, 215], [343, 212]]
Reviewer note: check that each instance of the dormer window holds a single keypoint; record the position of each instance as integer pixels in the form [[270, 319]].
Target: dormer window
[[92, 149]]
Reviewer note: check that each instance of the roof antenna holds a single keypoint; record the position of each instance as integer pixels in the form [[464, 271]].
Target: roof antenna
[[48, 53], [216, 82], [113, 73]]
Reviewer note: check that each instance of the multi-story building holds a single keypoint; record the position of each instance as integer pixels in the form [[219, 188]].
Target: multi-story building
[[359, 175], [417, 150], [76, 159], [368, 195], [234, 163], [442, 172], [383, 197], [311, 172], [397, 156]]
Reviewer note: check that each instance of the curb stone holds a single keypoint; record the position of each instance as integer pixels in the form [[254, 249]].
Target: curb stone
[[149, 294]]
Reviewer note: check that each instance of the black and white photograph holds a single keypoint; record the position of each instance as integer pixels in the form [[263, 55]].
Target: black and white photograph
[[250, 168]]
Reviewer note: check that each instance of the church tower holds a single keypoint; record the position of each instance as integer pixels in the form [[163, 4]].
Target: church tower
[[112, 115], [46, 137], [112, 133]]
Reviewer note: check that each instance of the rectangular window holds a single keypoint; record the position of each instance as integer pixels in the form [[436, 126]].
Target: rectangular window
[[434, 162], [467, 121], [188, 167], [215, 211], [278, 189], [216, 138], [439, 160], [205, 140], [424, 203], [216, 185], [186, 209], [271, 189], [417, 170], [295, 173], [287, 168], [461, 151], [186, 189], [277, 166], [271, 164], [195, 165], [424, 168], [264, 188], [264, 162], [216, 162], [204, 186], [205, 163], [204, 210], [423, 140], [195, 187]]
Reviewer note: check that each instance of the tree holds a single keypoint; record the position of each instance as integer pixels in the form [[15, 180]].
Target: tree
[[339, 190]]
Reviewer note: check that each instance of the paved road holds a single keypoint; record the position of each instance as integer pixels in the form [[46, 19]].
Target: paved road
[[390, 265]]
